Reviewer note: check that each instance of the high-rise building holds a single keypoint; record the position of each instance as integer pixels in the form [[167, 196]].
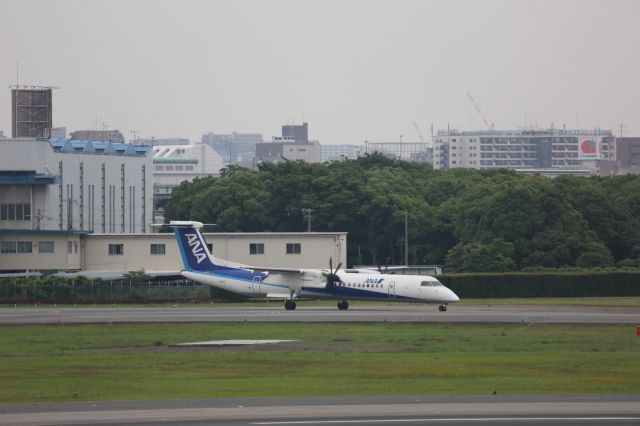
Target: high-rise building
[[294, 144], [550, 151], [299, 133], [628, 153], [31, 108], [234, 148]]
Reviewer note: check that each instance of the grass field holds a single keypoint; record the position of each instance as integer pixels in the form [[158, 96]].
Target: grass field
[[120, 362]]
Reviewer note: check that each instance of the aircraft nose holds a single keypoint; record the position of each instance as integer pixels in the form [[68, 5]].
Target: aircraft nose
[[452, 297]]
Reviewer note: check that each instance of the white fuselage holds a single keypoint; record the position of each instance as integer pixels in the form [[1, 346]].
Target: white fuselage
[[359, 286]]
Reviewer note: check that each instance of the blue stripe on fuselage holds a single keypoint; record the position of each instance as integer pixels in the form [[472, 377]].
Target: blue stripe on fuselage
[[353, 293]]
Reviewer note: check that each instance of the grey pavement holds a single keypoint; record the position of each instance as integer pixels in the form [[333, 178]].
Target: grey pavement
[[276, 313]]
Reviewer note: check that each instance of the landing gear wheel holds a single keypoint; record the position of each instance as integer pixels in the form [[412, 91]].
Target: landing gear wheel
[[290, 305], [343, 305], [442, 308]]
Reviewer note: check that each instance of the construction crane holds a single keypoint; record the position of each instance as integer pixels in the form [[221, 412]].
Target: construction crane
[[487, 120], [419, 132]]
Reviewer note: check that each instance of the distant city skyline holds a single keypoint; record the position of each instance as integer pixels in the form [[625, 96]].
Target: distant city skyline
[[355, 70]]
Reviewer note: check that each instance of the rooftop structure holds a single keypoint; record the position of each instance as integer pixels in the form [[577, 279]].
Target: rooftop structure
[[32, 111], [162, 141], [299, 133], [98, 135]]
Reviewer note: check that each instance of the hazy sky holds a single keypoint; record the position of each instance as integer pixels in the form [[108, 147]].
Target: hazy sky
[[354, 70]]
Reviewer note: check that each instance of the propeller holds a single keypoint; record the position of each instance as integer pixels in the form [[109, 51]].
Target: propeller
[[386, 266], [332, 276]]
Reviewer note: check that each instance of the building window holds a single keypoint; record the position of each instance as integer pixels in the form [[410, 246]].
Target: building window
[[116, 249], [294, 248], [188, 168], [45, 247], [159, 167], [8, 247], [256, 248], [168, 168], [179, 168], [157, 249], [69, 247], [15, 211], [25, 247]]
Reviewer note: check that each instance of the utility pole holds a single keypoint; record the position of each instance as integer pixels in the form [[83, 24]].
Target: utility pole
[[406, 238], [307, 212]]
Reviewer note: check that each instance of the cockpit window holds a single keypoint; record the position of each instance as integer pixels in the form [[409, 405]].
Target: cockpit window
[[434, 283]]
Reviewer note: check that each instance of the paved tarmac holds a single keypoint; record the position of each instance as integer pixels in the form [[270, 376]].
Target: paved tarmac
[[277, 313], [490, 410]]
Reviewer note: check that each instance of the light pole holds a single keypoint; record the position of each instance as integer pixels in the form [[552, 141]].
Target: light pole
[[406, 238], [307, 212]]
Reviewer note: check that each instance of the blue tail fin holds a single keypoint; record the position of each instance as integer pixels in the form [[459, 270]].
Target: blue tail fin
[[194, 251], [197, 258]]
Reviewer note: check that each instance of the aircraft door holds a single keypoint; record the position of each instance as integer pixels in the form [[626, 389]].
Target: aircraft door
[[256, 284], [392, 289]]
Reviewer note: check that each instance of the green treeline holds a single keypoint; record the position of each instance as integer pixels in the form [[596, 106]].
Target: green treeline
[[595, 283], [469, 220]]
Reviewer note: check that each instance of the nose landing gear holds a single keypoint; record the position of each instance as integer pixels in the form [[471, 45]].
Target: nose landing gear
[[442, 308], [343, 305], [289, 305]]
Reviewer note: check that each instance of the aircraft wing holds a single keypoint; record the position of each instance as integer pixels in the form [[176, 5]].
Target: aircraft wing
[[296, 278]]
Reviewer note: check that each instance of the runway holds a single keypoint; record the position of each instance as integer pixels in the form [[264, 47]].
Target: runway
[[552, 314], [492, 410]]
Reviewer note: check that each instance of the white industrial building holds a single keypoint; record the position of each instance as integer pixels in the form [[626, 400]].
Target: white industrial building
[[341, 152], [85, 206], [174, 164], [105, 254], [75, 186]]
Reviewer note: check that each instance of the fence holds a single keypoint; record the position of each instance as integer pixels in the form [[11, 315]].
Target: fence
[[38, 290]]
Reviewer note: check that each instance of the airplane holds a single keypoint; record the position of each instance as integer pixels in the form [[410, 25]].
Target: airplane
[[291, 284]]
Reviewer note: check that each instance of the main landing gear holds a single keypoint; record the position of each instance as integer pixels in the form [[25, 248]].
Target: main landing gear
[[343, 305], [442, 308], [289, 305]]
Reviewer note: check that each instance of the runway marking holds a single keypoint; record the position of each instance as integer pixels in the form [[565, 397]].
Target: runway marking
[[451, 419]]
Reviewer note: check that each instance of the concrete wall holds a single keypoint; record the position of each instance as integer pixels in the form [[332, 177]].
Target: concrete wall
[[60, 259]]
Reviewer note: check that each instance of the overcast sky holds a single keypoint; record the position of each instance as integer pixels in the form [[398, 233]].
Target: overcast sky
[[355, 70]]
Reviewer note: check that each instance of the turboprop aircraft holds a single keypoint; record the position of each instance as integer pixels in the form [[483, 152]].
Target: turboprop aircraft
[[291, 284]]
